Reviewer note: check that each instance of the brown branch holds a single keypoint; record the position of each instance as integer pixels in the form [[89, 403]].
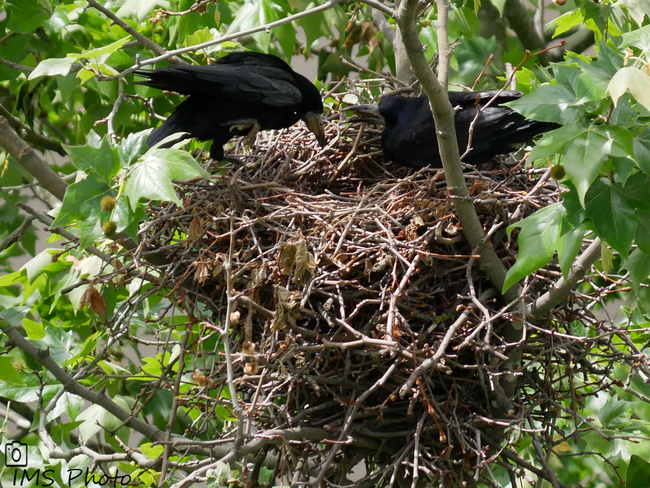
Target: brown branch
[[237, 35], [443, 114], [29, 134], [29, 159], [42, 356], [560, 290], [145, 41], [17, 234], [523, 24]]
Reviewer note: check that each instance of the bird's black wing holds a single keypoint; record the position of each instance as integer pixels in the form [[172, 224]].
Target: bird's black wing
[[247, 82], [409, 136], [466, 99]]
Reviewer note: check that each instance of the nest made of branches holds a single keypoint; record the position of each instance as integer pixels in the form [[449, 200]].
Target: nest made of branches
[[352, 304]]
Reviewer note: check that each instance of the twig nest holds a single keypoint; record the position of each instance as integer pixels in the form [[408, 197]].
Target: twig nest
[[356, 304]]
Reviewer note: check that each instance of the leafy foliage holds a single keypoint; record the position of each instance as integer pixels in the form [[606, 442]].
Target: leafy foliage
[[66, 87]]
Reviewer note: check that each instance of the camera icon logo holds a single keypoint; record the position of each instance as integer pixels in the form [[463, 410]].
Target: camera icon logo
[[16, 455]]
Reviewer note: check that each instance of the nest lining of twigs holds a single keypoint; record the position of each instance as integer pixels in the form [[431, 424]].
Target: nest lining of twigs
[[345, 275]]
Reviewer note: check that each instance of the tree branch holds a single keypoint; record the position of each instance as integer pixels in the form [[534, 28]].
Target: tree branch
[[523, 24], [443, 114], [444, 51], [31, 135], [266, 27], [562, 288], [145, 41], [42, 356], [29, 159], [17, 234]]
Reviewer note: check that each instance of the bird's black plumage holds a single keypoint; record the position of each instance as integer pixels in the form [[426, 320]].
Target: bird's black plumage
[[409, 136], [234, 95]]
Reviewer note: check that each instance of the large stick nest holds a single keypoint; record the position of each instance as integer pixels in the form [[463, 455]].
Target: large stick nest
[[350, 304]]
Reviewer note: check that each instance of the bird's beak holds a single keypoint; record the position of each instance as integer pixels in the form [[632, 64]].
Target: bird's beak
[[370, 110], [314, 123]]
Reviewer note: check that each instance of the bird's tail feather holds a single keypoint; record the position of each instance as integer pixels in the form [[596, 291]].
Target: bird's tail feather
[[170, 127]]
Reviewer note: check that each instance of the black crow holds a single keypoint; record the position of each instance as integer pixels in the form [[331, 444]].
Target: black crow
[[409, 136], [236, 95]]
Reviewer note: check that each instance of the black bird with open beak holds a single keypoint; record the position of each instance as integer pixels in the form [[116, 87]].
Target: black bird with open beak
[[409, 136], [238, 94]]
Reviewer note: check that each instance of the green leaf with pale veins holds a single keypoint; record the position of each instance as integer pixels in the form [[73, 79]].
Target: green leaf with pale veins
[[638, 264], [555, 142], [8, 373], [52, 67], [132, 147], [101, 160], [643, 230], [548, 103], [82, 200], [569, 246], [633, 79], [568, 21], [538, 240], [152, 177], [584, 157], [612, 209], [102, 51]]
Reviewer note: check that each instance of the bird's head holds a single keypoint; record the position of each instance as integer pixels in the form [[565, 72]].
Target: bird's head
[[314, 121], [369, 112]]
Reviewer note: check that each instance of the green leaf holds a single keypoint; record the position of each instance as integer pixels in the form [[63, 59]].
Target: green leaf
[[152, 452], [27, 16], [598, 72], [60, 344], [29, 391], [13, 278], [8, 373], [102, 160], [253, 14], [613, 216], [101, 51], [85, 75], [615, 413], [642, 150], [637, 38], [606, 257], [152, 177], [200, 36], [548, 103], [638, 9], [68, 404], [643, 230], [52, 67], [584, 157], [638, 264], [567, 21], [555, 142], [500, 5], [140, 9], [633, 79], [126, 218], [623, 168], [315, 26], [132, 147], [569, 246], [637, 471], [538, 240], [88, 347], [34, 329], [96, 419], [82, 200]]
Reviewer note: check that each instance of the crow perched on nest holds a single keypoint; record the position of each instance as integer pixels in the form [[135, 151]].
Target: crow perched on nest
[[409, 137], [238, 94]]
